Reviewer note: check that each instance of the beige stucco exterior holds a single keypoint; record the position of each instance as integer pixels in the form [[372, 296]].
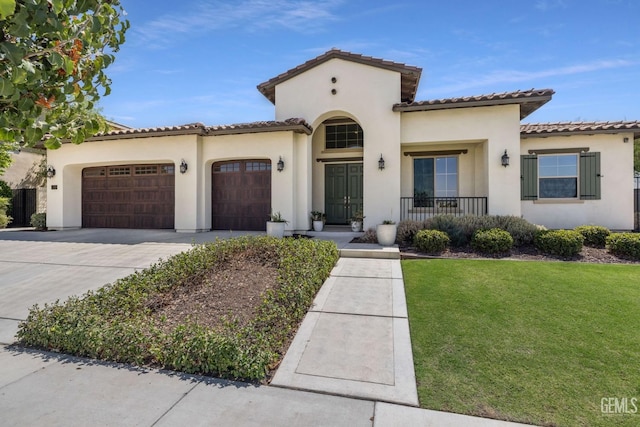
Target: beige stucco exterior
[[615, 208], [25, 172], [374, 95]]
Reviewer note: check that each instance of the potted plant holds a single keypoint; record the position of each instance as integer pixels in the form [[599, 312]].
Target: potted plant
[[275, 225], [386, 233], [356, 221], [318, 219]]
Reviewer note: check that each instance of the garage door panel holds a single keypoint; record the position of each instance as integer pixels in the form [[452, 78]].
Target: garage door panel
[[241, 194], [138, 196]]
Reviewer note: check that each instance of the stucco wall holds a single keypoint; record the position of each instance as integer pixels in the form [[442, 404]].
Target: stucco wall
[[366, 95], [489, 131], [614, 210]]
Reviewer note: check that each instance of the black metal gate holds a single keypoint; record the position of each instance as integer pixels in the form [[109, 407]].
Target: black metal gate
[[636, 204], [23, 205]]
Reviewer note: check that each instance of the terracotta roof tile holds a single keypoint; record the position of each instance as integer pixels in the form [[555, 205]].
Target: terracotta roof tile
[[295, 125], [532, 130], [410, 75], [529, 100]]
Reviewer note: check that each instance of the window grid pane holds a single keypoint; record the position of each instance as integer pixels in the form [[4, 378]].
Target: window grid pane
[[558, 176], [344, 136]]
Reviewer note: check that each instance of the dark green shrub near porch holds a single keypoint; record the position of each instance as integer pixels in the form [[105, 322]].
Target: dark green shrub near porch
[[564, 243], [431, 241], [624, 245], [115, 322], [493, 241], [594, 235]]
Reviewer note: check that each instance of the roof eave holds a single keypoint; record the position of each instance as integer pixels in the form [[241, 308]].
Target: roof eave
[[543, 134], [534, 101]]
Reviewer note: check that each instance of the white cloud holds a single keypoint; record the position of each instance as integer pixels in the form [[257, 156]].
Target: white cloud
[[304, 16], [514, 76]]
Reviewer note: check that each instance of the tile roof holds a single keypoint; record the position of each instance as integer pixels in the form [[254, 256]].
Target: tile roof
[[295, 125], [533, 130], [410, 75], [529, 100]]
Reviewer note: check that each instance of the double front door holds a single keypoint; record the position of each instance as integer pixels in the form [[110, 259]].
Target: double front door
[[343, 191]]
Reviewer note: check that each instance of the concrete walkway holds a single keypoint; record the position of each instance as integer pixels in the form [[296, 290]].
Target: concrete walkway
[[355, 342]]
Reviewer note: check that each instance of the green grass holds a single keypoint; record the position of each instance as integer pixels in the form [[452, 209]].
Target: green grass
[[534, 342]]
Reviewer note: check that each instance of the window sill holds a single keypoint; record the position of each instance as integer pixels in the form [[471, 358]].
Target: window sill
[[342, 150], [558, 201]]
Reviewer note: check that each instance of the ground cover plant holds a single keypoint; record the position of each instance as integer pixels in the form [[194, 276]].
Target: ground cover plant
[[227, 309], [533, 342]]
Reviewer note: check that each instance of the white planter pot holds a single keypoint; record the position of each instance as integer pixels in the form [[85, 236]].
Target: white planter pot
[[386, 234], [356, 225], [318, 225], [275, 229]]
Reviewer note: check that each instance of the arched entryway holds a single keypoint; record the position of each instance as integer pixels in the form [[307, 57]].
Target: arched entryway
[[240, 194]]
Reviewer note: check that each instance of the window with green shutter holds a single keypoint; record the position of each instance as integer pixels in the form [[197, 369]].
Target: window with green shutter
[[560, 176], [590, 176], [529, 177]]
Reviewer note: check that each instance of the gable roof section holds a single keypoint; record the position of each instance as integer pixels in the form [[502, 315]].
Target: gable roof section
[[409, 75], [543, 130], [292, 125], [529, 100]]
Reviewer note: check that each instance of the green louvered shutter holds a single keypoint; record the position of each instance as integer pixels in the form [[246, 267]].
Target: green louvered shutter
[[590, 176], [529, 177]]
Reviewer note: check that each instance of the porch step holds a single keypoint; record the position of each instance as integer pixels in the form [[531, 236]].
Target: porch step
[[368, 250]]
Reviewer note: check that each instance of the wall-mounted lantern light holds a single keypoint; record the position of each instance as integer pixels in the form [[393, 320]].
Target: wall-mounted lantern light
[[51, 171], [625, 139], [505, 159], [381, 163], [183, 166], [280, 164]]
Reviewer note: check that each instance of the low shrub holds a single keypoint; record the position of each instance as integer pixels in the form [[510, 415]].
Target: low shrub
[[522, 231], [369, 236], [564, 243], [492, 241], [431, 241], [449, 225], [39, 220], [624, 245], [407, 230], [594, 235], [116, 322]]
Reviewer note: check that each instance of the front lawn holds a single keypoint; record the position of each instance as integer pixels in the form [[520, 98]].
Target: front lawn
[[227, 308], [534, 342]]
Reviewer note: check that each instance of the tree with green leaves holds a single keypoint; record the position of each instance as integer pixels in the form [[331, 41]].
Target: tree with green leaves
[[53, 56]]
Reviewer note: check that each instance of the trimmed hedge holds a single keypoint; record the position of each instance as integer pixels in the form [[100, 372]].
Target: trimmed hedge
[[4, 218], [564, 243], [431, 241], [492, 241], [624, 245], [114, 323], [594, 235]]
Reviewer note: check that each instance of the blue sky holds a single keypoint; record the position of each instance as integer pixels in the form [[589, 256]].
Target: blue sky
[[200, 60]]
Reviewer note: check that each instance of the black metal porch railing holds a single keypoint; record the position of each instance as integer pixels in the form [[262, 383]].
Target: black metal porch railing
[[421, 208]]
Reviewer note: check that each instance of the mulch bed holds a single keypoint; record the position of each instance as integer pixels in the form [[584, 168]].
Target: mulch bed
[[231, 290]]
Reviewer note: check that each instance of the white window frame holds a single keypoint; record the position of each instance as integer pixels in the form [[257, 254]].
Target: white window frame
[[576, 156]]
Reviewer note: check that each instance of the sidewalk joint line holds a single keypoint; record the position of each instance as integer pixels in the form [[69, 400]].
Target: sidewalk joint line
[[174, 404]]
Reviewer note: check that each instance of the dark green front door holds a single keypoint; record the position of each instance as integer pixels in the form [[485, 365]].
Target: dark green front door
[[342, 191]]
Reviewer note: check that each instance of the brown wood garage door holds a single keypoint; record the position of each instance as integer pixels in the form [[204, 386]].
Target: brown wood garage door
[[128, 196], [240, 194]]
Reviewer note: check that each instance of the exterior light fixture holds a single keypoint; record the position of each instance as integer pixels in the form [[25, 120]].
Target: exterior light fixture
[[51, 171], [280, 164], [381, 163], [505, 159], [625, 139], [183, 166]]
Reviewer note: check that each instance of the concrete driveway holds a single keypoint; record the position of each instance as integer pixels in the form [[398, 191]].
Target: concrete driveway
[[40, 267]]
